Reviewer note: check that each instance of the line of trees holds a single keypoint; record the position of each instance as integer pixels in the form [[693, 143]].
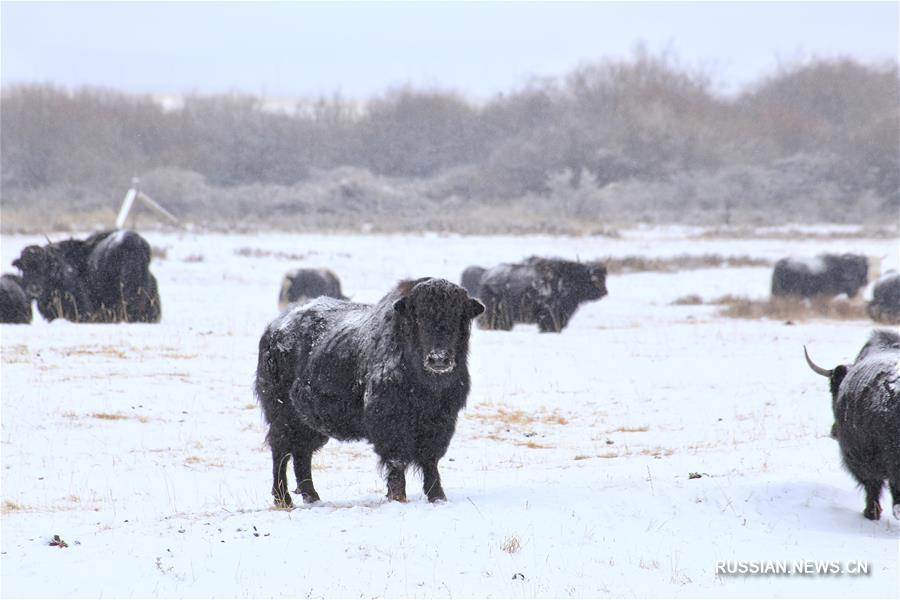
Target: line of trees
[[639, 139]]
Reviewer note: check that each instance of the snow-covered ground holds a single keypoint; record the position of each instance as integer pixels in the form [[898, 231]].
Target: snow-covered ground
[[142, 446]]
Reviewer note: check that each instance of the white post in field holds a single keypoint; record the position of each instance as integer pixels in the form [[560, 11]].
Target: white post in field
[[127, 203]]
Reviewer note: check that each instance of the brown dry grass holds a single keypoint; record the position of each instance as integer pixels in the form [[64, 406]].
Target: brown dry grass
[[511, 545], [99, 351], [689, 300], [640, 429], [682, 262], [9, 506], [792, 309], [260, 253], [514, 416], [103, 416], [746, 233]]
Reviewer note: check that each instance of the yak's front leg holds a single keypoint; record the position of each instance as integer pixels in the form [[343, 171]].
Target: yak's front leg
[[431, 481], [396, 480]]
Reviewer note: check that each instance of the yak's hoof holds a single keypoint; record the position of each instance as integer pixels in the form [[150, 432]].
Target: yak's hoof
[[873, 513], [897, 511], [284, 503], [309, 498], [397, 496], [437, 496]]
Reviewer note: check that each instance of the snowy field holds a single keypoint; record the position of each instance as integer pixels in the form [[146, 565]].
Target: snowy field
[[141, 446]]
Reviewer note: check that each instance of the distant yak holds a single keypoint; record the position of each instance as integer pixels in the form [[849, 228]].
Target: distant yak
[[471, 279], [301, 285], [825, 275], [885, 304], [15, 305], [545, 291], [865, 399], [393, 373], [103, 279]]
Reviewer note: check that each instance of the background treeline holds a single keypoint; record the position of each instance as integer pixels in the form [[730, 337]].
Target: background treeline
[[639, 140]]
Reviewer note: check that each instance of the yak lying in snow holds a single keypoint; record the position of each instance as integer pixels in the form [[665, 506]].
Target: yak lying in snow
[[301, 285], [865, 398], [825, 275], [15, 305], [545, 291], [102, 279], [393, 373], [885, 304], [471, 279]]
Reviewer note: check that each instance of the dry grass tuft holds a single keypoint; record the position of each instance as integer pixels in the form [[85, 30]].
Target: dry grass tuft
[[640, 429], [159, 252], [194, 258], [689, 300], [511, 545], [534, 445], [260, 253], [103, 416], [514, 416], [109, 416], [12, 506], [681, 262]]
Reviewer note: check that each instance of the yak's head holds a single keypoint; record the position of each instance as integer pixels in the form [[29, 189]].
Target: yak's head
[[582, 281], [835, 378], [38, 267], [435, 316], [597, 273], [854, 273]]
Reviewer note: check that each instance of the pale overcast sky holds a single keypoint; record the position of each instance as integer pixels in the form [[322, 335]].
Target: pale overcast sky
[[302, 49]]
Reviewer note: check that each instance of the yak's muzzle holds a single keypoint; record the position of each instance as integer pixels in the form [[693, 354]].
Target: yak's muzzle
[[439, 362]]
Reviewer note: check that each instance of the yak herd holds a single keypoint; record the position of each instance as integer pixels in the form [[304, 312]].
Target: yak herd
[[395, 372]]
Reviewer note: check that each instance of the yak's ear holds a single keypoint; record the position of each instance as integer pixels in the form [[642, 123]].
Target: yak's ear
[[473, 308], [401, 305], [17, 264], [837, 377]]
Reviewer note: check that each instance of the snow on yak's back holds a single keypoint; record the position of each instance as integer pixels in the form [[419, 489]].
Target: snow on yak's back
[[865, 398], [393, 373]]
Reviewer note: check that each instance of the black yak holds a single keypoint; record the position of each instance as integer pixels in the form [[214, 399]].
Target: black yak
[[393, 373], [544, 291], [885, 304], [15, 305], [471, 279], [865, 399], [301, 285], [825, 275], [103, 279]]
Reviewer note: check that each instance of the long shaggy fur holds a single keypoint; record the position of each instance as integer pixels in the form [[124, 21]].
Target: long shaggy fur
[[544, 291], [866, 405], [885, 304], [103, 279], [393, 373], [301, 285], [15, 306], [825, 275]]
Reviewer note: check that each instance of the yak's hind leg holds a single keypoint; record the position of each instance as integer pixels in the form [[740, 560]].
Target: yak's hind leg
[[895, 496], [431, 481], [280, 457], [302, 454], [873, 494]]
